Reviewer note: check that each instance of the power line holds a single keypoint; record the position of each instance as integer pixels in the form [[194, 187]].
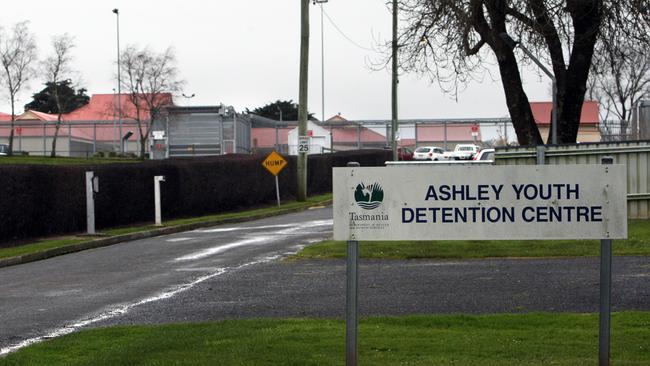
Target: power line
[[344, 35]]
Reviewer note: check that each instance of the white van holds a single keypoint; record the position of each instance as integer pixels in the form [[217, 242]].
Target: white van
[[465, 151]]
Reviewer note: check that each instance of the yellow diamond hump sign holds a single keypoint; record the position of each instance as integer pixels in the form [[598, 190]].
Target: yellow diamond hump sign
[[274, 163]]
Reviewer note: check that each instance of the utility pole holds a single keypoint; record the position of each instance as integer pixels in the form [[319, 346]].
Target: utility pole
[[394, 84], [302, 98]]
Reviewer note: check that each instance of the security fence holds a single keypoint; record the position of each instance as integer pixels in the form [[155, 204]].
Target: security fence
[[635, 155], [75, 138]]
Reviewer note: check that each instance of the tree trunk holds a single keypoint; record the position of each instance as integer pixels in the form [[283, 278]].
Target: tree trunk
[[517, 100], [587, 16], [11, 133], [56, 134], [143, 142]]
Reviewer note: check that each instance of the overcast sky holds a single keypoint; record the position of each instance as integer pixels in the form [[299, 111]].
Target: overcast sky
[[246, 54]]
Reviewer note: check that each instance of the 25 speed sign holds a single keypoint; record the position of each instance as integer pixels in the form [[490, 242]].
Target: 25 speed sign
[[303, 144]]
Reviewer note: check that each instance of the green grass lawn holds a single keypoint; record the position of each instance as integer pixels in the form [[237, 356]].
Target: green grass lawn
[[45, 160], [45, 244], [638, 243], [488, 340]]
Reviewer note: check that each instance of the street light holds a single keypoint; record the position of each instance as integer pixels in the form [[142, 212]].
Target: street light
[[119, 79], [512, 44], [188, 97], [125, 138], [322, 64]]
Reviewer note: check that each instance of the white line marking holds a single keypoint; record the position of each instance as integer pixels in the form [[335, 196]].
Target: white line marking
[[173, 240], [253, 239], [228, 229], [124, 309], [222, 248]]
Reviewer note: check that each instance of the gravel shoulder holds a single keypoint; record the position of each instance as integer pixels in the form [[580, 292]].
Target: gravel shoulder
[[389, 287]]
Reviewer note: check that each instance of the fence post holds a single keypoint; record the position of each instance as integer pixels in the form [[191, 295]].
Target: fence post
[[358, 137], [415, 133], [44, 139], [541, 154], [94, 138], [444, 124]]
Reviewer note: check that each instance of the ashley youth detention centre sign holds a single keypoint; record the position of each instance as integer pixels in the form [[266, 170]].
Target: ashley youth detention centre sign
[[480, 202]]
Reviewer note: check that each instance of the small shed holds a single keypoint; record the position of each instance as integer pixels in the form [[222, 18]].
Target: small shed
[[319, 139]]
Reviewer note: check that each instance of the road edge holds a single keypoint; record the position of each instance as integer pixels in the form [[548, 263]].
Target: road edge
[[104, 242]]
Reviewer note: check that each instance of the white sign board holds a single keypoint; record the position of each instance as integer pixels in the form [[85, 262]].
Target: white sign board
[[480, 202], [158, 135], [303, 144]]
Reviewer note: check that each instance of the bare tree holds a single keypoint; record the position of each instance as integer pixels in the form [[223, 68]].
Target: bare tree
[[57, 68], [17, 55], [149, 78], [620, 77], [456, 41]]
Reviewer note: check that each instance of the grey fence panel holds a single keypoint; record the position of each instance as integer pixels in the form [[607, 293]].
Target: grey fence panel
[[635, 155]]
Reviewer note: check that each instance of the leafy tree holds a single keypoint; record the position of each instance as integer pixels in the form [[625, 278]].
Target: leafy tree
[[456, 41], [44, 101], [272, 110]]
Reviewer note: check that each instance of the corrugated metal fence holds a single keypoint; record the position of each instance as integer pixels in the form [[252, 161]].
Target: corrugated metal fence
[[633, 154]]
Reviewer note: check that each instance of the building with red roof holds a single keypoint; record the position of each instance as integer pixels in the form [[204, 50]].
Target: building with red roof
[[588, 131], [91, 128]]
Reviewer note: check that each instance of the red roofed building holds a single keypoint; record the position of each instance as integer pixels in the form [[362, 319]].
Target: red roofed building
[[93, 127], [588, 131]]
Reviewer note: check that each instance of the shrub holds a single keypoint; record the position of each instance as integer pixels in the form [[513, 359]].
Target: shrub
[[42, 200]]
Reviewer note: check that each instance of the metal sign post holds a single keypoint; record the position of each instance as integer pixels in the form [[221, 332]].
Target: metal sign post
[[274, 163], [351, 303], [277, 190], [604, 327], [156, 189]]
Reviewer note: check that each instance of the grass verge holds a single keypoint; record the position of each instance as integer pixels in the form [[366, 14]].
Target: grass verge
[[637, 243], [487, 340], [47, 244]]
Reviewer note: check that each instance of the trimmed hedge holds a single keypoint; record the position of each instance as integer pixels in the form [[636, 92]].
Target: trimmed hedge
[[42, 200]]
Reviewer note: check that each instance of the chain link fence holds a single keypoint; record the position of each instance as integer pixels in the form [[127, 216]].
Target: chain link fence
[[74, 139]]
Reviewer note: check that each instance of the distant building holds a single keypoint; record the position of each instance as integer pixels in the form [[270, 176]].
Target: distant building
[[588, 131], [89, 129], [200, 131]]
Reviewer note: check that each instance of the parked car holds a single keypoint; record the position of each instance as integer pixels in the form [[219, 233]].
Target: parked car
[[465, 151], [485, 155], [4, 149], [404, 153], [429, 153]]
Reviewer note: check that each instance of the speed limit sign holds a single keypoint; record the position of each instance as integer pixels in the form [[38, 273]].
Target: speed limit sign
[[303, 144]]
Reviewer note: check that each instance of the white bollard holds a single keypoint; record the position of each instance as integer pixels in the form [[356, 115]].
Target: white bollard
[[90, 203], [156, 189]]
